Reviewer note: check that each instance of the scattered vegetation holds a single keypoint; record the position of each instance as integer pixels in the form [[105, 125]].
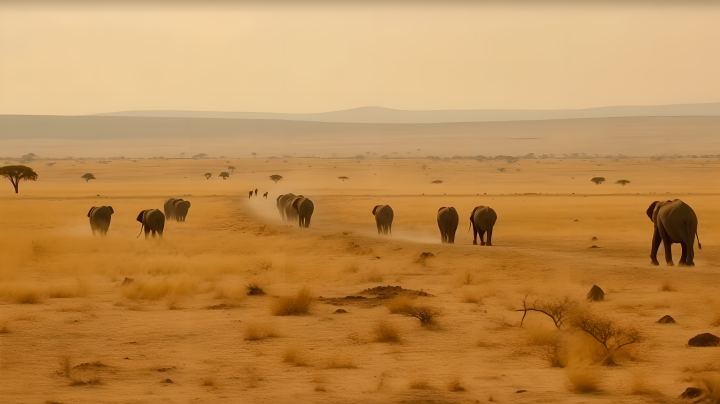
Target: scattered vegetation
[[297, 305], [385, 331], [455, 385], [437, 182], [338, 362], [224, 175], [254, 289], [87, 177], [276, 177], [259, 331], [622, 182], [598, 180], [405, 306], [607, 332], [343, 178], [557, 309], [18, 173], [208, 175], [231, 168], [295, 356]]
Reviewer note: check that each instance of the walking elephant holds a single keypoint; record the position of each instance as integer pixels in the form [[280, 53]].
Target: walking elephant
[[447, 219], [281, 203], [176, 209], [291, 214], [250, 195], [255, 191], [153, 220], [383, 218], [482, 219], [304, 208], [674, 222], [100, 219], [169, 208], [265, 195]]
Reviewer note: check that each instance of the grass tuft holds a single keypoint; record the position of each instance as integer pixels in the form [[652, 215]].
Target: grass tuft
[[259, 332], [297, 305], [384, 331]]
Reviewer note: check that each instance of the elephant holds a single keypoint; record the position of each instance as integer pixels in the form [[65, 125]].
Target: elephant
[[291, 214], [100, 218], [383, 218], [265, 195], [675, 222], [482, 219], [176, 209], [153, 220], [447, 219], [304, 208], [250, 195], [181, 209], [281, 202], [255, 191]]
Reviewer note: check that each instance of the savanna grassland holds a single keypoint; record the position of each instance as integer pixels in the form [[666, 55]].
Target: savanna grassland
[[186, 330]]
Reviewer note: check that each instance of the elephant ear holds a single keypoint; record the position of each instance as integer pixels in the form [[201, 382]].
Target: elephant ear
[[91, 210], [188, 203], [295, 203], [111, 210], [473, 212], [651, 209], [375, 208], [140, 216], [441, 208]]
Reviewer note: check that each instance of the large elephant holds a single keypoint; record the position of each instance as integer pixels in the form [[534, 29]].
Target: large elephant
[[447, 219], [100, 218], [176, 209], [291, 214], [281, 202], [675, 222], [153, 220], [304, 208], [482, 219], [383, 218]]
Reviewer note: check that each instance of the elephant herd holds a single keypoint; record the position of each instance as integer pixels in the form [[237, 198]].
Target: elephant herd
[[482, 220], [152, 220], [295, 208]]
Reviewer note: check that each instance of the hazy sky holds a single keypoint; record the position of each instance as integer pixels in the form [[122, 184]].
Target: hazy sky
[[285, 57]]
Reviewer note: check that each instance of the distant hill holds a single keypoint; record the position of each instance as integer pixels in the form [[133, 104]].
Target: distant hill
[[387, 115], [60, 136]]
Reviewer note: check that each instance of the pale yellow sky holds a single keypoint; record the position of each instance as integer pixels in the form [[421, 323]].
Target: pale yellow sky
[[280, 58]]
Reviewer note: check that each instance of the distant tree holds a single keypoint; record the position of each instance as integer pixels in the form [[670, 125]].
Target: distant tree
[[598, 180], [437, 182], [17, 173], [199, 156], [27, 158], [253, 154], [224, 175], [622, 182], [231, 168], [360, 157], [87, 177], [276, 177], [343, 178], [208, 175], [50, 164]]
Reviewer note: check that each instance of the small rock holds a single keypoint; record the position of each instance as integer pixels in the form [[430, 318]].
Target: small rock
[[576, 220], [594, 238], [596, 294], [594, 246], [691, 392], [127, 281], [340, 311], [703, 340], [167, 381], [666, 320], [521, 391]]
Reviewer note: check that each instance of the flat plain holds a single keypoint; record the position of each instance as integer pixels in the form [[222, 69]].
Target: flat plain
[[185, 330]]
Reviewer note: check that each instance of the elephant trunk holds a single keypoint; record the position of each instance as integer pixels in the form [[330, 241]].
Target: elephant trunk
[[141, 229]]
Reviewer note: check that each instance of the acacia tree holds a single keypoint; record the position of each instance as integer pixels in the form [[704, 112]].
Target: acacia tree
[[231, 168], [87, 177], [224, 175], [208, 175], [343, 178], [598, 180], [276, 177], [622, 182], [17, 173], [253, 154], [437, 182]]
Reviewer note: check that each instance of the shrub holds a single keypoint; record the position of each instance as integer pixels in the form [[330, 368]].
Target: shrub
[[403, 305], [259, 331], [454, 385], [295, 356], [384, 331], [607, 332], [557, 309], [254, 289], [293, 305]]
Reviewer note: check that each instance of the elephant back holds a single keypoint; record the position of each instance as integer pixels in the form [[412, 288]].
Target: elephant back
[[169, 207], [484, 217], [384, 214]]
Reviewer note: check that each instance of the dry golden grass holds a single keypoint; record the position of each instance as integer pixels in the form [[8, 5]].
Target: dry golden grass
[[296, 355], [297, 305], [407, 307], [385, 331], [258, 331], [158, 287]]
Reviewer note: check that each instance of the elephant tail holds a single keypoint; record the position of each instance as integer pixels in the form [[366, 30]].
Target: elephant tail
[[698, 238], [141, 229], [469, 226]]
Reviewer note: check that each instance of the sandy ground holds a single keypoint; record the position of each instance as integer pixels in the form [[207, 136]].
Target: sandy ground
[[70, 333]]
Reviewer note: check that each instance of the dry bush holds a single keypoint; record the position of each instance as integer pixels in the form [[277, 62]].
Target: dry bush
[[254, 289], [208, 383], [384, 331], [293, 305], [338, 362], [94, 381], [584, 378], [559, 310], [668, 286], [399, 304], [607, 332], [556, 354], [296, 356], [420, 385], [260, 331], [538, 335], [320, 388], [159, 287], [455, 385], [405, 306]]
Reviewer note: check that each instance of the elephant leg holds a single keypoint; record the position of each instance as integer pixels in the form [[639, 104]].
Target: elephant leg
[[667, 244], [482, 237], [160, 232], [489, 233], [475, 232], [655, 246], [683, 257], [147, 232], [380, 229]]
